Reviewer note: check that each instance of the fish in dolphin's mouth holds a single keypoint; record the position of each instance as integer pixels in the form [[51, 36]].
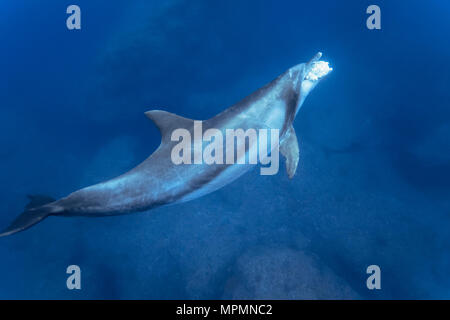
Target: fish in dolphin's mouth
[[318, 70]]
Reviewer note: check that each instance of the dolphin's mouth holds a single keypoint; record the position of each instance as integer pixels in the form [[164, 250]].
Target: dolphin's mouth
[[319, 69], [313, 72]]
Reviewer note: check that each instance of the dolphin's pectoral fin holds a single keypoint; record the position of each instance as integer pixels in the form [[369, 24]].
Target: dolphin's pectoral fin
[[289, 149], [168, 122]]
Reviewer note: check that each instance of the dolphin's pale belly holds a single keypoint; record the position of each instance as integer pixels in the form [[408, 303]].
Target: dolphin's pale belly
[[226, 176], [213, 177], [143, 191]]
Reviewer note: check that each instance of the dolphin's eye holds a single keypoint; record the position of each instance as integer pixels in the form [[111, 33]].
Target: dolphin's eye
[[318, 70]]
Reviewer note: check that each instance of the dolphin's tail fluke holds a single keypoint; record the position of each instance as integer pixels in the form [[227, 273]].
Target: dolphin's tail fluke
[[36, 210]]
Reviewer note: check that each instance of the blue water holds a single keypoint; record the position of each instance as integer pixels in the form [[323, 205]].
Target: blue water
[[372, 186]]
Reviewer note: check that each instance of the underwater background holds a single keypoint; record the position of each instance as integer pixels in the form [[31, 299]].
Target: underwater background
[[372, 186]]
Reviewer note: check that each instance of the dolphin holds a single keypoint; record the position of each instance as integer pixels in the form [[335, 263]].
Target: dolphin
[[157, 181]]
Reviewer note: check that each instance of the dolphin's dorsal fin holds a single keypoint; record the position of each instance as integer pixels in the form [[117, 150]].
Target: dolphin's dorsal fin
[[289, 149], [168, 122]]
